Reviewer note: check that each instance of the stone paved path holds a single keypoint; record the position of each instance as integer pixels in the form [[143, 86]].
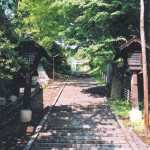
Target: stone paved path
[[81, 120]]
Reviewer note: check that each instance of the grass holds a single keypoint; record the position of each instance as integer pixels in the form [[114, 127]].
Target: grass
[[95, 73], [121, 107]]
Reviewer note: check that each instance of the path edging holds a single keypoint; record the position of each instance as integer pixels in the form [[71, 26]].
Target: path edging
[[125, 131]]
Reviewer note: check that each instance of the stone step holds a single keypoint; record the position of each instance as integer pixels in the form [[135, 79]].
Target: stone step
[[81, 139], [71, 121], [79, 127], [90, 133], [76, 106], [80, 116], [85, 148], [85, 140], [82, 130], [80, 121], [52, 148], [81, 146], [82, 112]]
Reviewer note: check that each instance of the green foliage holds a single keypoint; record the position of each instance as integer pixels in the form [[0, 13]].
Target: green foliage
[[99, 27], [96, 74], [122, 108], [43, 18], [80, 54], [9, 60], [136, 126], [9, 64], [57, 52], [96, 27], [60, 61]]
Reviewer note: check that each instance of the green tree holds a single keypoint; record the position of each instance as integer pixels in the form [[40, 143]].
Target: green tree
[[40, 18], [96, 27], [99, 27]]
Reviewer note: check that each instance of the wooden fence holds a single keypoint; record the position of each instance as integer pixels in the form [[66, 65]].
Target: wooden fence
[[104, 76], [127, 94]]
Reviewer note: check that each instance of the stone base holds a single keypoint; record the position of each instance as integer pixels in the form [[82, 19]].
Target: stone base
[[13, 98], [135, 116], [2, 101], [25, 115]]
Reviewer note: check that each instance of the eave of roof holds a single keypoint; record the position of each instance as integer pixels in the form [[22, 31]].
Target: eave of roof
[[131, 41]]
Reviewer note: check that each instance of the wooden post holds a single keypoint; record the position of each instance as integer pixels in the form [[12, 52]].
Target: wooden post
[[144, 62], [128, 95], [134, 92], [135, 114], [27, 91]]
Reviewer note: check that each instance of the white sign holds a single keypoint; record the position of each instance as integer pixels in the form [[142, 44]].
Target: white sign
[[43, 78]]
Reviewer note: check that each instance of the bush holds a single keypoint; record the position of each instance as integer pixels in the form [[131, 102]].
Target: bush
[[9, 64], [5, 87], [9, 60]]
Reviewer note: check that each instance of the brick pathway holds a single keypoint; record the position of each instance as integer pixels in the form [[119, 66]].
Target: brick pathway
[[81, 120]]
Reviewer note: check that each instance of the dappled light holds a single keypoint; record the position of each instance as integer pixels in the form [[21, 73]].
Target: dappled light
[[97, 51], [80, 120], [80, 124]]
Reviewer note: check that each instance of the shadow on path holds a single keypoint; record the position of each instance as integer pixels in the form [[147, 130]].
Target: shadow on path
[[80, 127], [96, 92]]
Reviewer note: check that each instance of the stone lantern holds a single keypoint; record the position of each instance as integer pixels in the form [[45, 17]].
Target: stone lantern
[[131, 53]]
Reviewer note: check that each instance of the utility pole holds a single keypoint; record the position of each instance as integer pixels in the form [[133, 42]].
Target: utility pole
[[144, 62]]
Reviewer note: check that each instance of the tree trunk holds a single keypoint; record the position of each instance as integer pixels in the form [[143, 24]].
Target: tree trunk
[[109, 75], [147, 21], [117, 85]]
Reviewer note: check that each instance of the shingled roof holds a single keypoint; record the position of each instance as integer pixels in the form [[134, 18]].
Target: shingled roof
[[128, 46], [131, 41]]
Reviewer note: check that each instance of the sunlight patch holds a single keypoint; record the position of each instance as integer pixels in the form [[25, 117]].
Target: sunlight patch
[[86, 126]]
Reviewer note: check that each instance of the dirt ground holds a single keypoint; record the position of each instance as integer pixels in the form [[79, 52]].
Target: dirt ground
[[15, 134]]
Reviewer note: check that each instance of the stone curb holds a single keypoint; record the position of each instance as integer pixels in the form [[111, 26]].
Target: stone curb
[[129, 139], [142, 145]]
